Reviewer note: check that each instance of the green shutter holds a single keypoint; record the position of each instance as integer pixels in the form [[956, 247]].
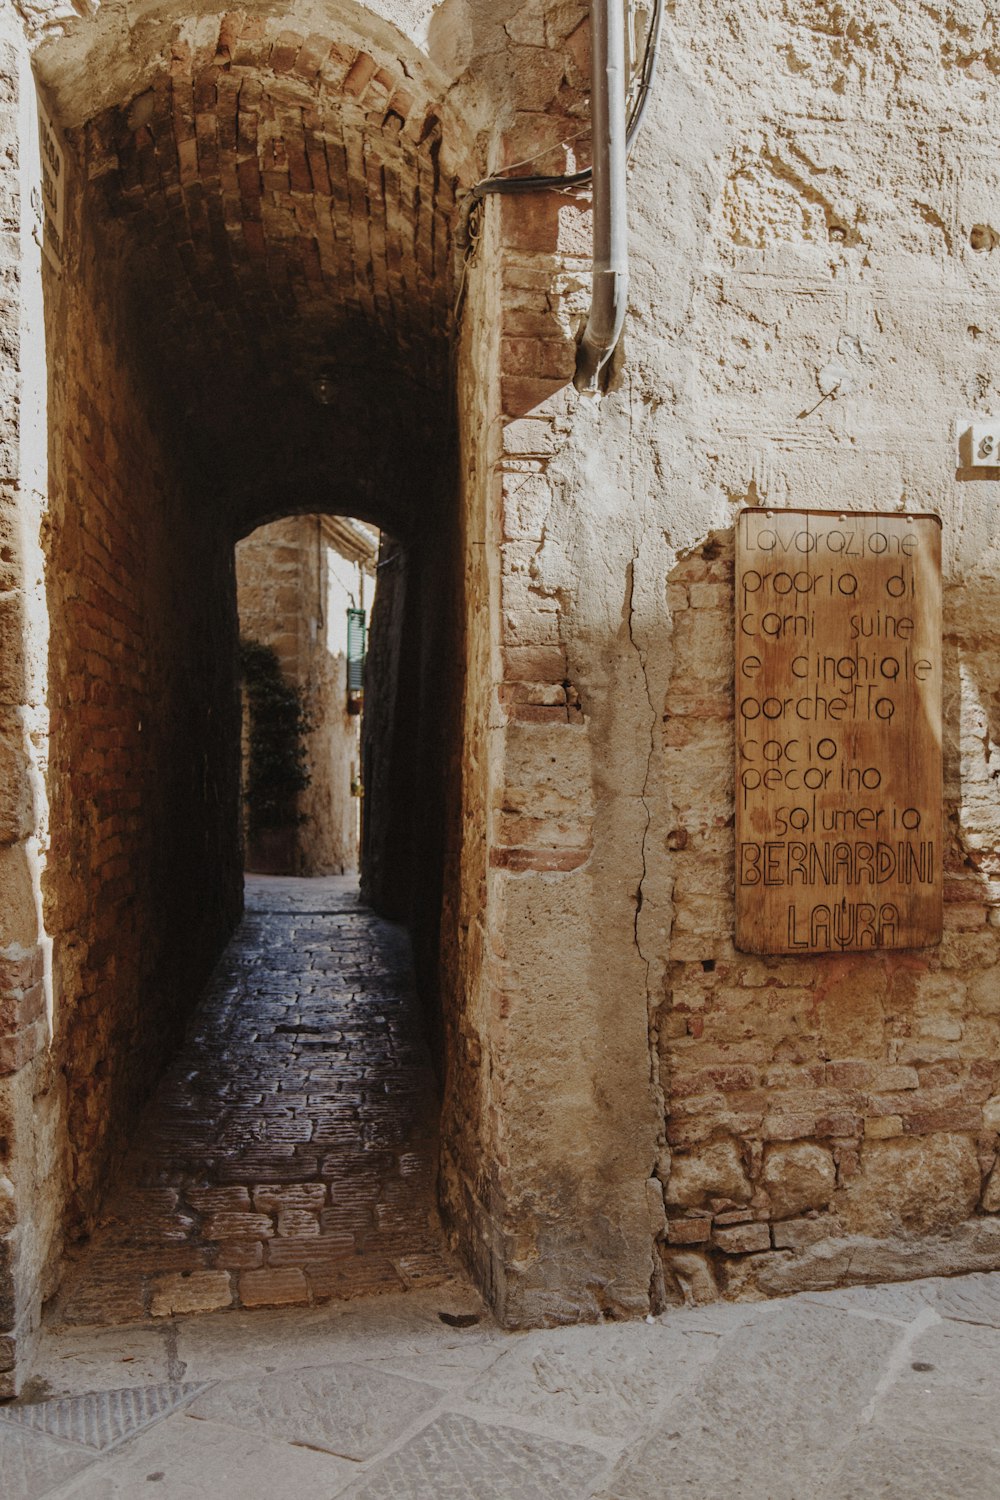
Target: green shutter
[[355, 650]]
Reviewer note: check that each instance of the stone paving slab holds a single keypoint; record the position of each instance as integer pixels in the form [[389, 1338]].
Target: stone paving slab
[[947, 1386], [970, 1299], [404, 1335], [608, 1381], [100, 1419], [345, 1409], [876, 1392], [882, 1465], [456, 1458], [760, 1419], [32, 1465], [187, 1460], [900, 1301], [101, 1358]]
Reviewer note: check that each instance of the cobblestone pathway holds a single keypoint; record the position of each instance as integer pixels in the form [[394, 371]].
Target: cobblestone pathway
[[289, 1155]]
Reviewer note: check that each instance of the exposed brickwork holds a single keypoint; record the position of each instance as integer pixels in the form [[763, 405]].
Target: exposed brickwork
[[138, 780], [285, 206], [281, 202], [289, 1155]]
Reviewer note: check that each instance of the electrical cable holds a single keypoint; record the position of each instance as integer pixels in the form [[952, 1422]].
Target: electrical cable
[[565, 181]]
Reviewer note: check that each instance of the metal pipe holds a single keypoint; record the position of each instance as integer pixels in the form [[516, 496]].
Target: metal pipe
[[609, 291]]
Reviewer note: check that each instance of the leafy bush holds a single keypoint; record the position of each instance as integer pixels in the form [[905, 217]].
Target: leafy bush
[[278, 725]]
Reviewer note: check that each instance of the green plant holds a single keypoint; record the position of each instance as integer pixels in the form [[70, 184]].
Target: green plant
[[278, 724]]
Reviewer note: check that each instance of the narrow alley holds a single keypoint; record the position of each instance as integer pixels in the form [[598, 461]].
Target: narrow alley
[[289, 1154]]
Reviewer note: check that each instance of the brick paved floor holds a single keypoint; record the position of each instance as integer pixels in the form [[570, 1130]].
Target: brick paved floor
[[289, 1155]]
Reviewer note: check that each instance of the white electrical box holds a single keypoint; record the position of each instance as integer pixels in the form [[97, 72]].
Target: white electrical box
[[979, 444]]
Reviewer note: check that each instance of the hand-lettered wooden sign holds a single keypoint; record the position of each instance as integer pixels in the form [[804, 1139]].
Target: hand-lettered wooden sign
[[838, 731]]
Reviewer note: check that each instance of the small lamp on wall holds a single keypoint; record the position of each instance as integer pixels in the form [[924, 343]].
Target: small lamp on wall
[[324, 388]]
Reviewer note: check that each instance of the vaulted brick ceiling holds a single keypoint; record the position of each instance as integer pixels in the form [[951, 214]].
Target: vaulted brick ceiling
[[275, 206]]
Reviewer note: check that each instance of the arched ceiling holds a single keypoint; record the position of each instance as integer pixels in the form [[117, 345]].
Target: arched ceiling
[[277, 204]]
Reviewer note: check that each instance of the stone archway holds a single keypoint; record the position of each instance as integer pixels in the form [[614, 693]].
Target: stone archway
[[255, 211], [275, 189]]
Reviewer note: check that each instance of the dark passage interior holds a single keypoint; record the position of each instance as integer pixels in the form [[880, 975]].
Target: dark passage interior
[[290, 1153], [253, 322]]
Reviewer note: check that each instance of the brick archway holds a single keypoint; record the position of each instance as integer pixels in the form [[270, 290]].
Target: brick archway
[[251, 209], [280, 204]]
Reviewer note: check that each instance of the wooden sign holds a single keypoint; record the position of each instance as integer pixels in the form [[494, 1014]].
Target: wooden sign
[[838, 731]]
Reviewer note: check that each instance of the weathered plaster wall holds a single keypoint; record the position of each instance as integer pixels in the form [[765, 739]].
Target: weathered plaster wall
[[293, 591], [811, 206], [28, 1212]]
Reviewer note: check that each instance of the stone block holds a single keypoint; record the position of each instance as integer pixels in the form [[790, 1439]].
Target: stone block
[[239, 1255], [797, 1177], [285, 1197], [883, 1127], [715, 1169], [689, 1231], [796, 1234], [298, 1223], [991, 1192], [16, 802], [916, 1184], [18, 917], [273, 1287], [742, 1239], [212, 1200], [192, 1291], [693, 1273], [233, 1225]]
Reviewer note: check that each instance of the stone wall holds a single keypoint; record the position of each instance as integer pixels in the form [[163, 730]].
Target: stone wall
[[633, 1111], [830, 1113], [28, 1149], [139, 768], [120, 878], [294, 587], [812, 273], [142, 882]]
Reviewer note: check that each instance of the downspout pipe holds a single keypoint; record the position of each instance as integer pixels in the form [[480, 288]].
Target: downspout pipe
[[609, 291]]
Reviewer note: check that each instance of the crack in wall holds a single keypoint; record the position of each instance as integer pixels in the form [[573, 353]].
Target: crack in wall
[[657, 1294], [641, 657]]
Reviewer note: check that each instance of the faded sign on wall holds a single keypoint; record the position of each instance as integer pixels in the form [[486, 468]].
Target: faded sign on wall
[[49, 200], [838, 731]]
